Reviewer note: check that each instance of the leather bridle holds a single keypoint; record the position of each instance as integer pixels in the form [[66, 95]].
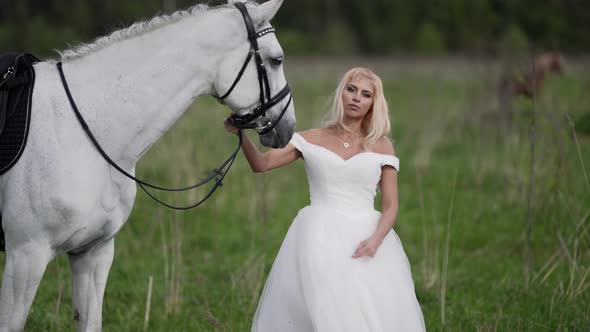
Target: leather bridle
[[248, 120]]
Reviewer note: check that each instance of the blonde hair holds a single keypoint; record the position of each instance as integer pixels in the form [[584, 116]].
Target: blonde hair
[[376, 122]]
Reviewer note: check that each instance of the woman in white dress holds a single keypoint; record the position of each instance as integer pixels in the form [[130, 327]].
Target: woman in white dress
[[341, 266]]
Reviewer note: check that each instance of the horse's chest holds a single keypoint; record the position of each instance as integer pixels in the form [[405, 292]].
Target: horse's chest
[[74, 195], [94, 218]]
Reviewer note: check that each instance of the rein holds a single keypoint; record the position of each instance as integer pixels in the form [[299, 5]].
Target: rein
[[217, 174]]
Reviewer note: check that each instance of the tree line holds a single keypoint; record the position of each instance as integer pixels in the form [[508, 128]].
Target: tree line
[[366, 27]]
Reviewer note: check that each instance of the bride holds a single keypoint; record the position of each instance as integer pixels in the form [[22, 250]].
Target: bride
[[341, 266]]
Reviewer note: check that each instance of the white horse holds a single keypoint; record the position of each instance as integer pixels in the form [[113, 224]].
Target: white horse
[[131, 86]]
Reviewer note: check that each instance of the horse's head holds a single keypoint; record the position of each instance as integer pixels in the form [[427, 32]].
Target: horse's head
[[552, 62], [250, 78]]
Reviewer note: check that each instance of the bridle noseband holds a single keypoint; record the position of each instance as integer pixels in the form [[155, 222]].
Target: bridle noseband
[[247, 121]]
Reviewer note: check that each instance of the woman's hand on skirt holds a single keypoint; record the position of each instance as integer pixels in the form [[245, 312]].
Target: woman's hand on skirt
[[229, 127], [367, 248]]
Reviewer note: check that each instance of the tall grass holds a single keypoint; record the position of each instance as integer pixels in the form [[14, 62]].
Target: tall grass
[[461, 172]]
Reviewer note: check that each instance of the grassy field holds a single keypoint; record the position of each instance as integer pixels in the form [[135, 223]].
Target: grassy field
[[465, 188]]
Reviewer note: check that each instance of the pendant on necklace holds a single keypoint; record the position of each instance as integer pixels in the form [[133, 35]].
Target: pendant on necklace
[[346, 145]]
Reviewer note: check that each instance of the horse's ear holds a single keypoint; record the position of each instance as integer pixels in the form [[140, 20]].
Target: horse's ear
[[266, 11]]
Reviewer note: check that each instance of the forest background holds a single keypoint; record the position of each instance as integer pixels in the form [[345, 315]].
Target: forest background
[[330, 27]]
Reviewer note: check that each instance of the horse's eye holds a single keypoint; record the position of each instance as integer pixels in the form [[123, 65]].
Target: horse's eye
[[277, 61]]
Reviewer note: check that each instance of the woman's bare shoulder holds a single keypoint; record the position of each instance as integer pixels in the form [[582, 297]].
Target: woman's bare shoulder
[[312, 134], [385, 146]]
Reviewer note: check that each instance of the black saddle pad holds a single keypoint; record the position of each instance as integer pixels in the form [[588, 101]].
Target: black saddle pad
[[17, 78]]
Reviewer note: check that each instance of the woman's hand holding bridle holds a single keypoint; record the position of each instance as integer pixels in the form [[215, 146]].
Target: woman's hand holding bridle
[[230, 128]]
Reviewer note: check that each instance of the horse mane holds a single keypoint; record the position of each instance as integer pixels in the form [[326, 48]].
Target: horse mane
[[136, 29]]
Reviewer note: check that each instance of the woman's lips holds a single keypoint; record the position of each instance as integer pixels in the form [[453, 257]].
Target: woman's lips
[[354, 107]]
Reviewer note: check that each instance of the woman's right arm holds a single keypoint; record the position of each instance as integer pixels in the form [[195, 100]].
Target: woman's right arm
[[262, 162]]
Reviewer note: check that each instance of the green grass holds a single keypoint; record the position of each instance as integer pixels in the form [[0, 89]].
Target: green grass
[[208, 265]]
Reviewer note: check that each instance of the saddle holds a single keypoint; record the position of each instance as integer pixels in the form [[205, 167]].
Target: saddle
[[17, 78]]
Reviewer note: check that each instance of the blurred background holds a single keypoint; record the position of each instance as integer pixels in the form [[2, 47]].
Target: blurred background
[[320, 27], [491, 119]]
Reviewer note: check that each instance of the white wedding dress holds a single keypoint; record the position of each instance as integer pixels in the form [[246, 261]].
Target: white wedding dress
[[314, 283]]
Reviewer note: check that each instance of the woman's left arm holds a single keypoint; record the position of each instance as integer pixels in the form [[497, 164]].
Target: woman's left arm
[[389, 208], [389, 202]]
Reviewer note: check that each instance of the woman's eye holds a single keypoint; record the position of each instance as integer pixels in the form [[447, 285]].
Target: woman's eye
[[350, 89], [367, 95], [277, 61]]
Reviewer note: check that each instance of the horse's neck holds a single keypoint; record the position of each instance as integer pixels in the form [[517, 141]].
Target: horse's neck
[[133, 91], [538, 73]]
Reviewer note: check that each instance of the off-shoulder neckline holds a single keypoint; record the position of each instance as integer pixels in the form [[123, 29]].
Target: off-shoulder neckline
[[340, 157]]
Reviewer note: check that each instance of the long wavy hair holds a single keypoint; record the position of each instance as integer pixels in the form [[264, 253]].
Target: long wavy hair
[[376, 122]]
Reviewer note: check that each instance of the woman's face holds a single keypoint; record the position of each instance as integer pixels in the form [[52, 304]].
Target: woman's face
[[357, 97]]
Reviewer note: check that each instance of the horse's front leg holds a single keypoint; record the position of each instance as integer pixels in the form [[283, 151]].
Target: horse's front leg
[[90, 270], [23, 271]]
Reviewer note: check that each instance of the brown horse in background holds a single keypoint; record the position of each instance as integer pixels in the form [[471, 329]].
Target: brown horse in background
[[530, 82]]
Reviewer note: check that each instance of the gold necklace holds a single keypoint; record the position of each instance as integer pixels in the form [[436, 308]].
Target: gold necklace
[[345, 143]]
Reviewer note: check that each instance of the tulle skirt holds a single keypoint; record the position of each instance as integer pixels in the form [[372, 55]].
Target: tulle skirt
[[316, 285]]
